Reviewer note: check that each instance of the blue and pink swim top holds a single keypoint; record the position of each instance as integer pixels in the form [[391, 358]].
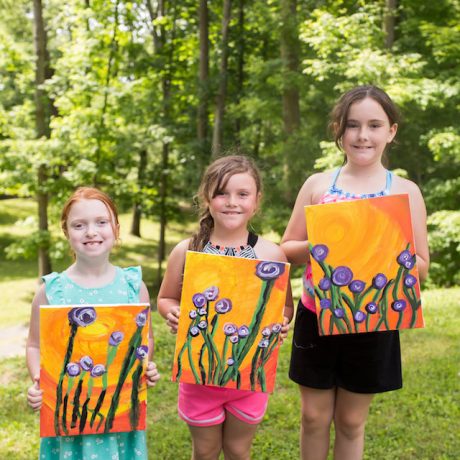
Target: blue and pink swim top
[[332, 195]]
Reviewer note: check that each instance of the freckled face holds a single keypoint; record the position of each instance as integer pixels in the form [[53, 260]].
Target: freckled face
[[367, 132]]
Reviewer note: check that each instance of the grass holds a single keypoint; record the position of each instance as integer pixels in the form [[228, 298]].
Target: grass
[[421, 421]]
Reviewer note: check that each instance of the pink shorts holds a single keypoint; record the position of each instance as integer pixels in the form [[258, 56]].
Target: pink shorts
[[200, 405]]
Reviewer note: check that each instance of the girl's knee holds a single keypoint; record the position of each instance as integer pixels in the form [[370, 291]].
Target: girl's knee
[[206, 450], [313, 418], [350, 424], [236, 451]]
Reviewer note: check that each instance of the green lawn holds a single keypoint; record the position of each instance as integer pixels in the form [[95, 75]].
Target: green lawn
[[421, 421]]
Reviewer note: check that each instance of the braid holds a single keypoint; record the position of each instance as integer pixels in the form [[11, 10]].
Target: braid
[[201, 237]]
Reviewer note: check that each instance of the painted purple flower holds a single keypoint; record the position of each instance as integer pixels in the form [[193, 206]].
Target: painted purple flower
[[276, 328], [82, 316], [357, 286], [406, 259], [202, 324], [230, 328], [359, 316], [202, 311], [230, 361], [199, 300], [243, 331], [223, 306], [98, 370], [342, 276], [339, 313], [410, 280], [142, 352], [86, 363], [371, 308], [399, 305], [72, 369], [319, 252], [379, 281], [211, 293], [266, 332], [141, 318], [193, 314], [116, 338], [269, 270], [264, 343], [194, 331], [325, 303], [325, 283], [234, 338]]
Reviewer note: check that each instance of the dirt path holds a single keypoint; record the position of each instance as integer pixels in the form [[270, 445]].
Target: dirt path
[[13, 341]]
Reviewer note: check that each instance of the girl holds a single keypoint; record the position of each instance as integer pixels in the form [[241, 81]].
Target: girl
[[89, 221], [221, 419], [338, 375]]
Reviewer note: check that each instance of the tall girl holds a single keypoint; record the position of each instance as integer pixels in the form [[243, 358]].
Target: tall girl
[[221, 419], [89, 221], [338, 375]]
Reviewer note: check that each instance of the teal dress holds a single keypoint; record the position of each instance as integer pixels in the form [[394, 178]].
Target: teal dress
[[61, 290]]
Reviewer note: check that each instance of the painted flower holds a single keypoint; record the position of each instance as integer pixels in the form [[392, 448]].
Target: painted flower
[[359, 316], [410, 280], [230, 361], [276, 328], [211, 293], [339, 313], [86, 363], [223, 306], [371, 308], [266, 332], [269, 270], [202, 324], [194, 331], [98, 370], [116, 338], [342, 276], [202, 311], [82, 316], [325, 303], [357, 286], [399, 305], [324, 283], [199, 300], [141, 318], [243, 331], [264, 343], [234, 338], [379, 281], [319, 252], [230, 328], [193, 314], [142, 352], [72, 369], [406, 259]]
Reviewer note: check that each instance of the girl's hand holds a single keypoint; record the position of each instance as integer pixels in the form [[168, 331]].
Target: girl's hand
[[152, 374], [172, 319], [35, 395], [284, 329]]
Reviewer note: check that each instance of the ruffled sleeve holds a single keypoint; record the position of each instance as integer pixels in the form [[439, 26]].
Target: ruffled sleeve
[[133, 276], [53, 289]]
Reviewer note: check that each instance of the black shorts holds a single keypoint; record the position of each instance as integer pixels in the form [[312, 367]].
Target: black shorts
[[362, 363]]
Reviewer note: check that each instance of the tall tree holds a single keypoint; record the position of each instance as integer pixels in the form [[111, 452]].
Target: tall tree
[[389, 21]]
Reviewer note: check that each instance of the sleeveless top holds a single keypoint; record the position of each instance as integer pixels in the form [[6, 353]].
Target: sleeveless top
[[246, 252], [333, 195], [61, 290]]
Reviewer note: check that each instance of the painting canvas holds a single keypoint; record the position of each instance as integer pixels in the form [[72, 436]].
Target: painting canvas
[[230, 321], [92, 363], [363, 265]]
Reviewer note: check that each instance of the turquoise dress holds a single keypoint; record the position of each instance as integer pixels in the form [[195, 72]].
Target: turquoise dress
[[61, 290]]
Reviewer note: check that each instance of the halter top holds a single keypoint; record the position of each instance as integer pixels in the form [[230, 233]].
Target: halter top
[[246, 252]]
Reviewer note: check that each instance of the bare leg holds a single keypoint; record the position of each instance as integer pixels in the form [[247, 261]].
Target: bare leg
[[206, 442], [317, 414], [351, 410], [237, 438]]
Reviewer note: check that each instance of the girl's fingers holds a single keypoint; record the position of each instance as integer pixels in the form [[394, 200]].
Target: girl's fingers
[[152, 374]]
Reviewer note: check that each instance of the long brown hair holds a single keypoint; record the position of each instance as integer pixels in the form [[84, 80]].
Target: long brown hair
[[214, 179]]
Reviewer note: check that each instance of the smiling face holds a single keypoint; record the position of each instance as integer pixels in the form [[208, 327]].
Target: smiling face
[[367, 132], [233, 206], [90, 228]]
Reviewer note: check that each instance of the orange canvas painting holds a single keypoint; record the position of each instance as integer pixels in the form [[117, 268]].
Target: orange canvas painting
[[363, 265], [230, 321], [92, 363]]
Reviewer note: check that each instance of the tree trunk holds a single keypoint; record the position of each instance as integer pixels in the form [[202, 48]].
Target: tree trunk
[[290, 94], [42, 111], [217, 136], [137, 211], [203, 83], [389, 21], [240, 66]]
